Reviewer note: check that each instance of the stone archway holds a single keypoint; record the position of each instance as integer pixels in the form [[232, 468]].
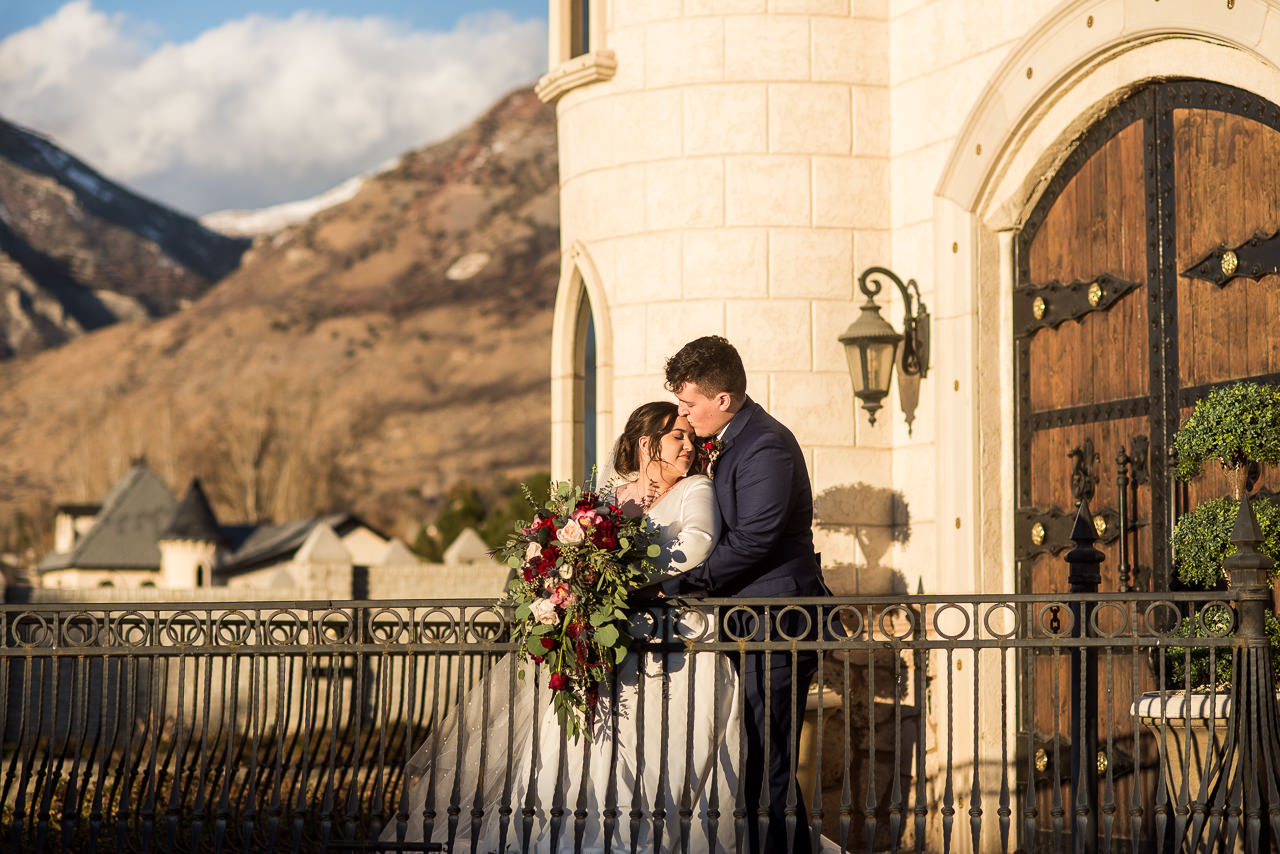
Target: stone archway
[[581, 369], [1076, 65]]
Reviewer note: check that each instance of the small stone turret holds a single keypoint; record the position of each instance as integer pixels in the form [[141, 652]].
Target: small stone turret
[[190, 544]]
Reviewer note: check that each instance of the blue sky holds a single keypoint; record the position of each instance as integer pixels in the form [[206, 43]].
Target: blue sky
[[181, 20], [213, 104]]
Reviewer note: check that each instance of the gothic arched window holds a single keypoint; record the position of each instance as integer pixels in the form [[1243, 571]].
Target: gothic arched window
[[586, 428]]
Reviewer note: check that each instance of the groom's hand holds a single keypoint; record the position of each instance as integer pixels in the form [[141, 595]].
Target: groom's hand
[[648, 594], [681, 585]]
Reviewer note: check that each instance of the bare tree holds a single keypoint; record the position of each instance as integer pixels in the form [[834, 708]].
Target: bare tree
[[270, 455]]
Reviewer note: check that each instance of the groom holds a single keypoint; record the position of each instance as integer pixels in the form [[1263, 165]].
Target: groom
[[765, 550]]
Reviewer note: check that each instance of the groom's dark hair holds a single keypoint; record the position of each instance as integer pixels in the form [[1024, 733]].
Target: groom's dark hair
[[711, 363]]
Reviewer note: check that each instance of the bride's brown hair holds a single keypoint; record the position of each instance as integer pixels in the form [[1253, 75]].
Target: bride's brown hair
[[649, 419]]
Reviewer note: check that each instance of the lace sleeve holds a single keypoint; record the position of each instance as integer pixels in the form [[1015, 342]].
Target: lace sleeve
[[697, 526]]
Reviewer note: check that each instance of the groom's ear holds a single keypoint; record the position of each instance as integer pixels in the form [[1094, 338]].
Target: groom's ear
[[723, 401]]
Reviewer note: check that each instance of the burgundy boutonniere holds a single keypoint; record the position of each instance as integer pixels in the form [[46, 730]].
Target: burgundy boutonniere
[[711, 449]]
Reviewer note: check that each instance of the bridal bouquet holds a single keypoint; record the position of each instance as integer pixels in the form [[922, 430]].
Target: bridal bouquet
[[576, 563]]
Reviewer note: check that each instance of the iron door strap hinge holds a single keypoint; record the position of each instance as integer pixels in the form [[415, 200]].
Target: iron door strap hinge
[[1050, 760], [1041, 531], [1257, 257], [1037, 307]]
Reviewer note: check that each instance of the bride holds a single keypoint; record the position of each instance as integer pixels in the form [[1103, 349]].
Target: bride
[[498, 774]]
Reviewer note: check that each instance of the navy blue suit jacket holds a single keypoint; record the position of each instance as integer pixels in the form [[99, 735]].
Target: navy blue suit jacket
[[766, 515]]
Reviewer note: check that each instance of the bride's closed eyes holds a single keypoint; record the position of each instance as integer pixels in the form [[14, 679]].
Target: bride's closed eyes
[[677, 448]]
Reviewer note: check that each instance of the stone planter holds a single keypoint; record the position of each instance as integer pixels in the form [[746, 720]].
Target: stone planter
[[1191, 734], [1190, 728], [821, 702]]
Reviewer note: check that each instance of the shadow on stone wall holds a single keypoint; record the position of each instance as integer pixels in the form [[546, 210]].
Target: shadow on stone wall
[[877, 517], [876, 683]]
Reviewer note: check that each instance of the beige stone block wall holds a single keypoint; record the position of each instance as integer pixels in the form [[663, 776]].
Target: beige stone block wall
[[777, 333], [725, 119], [671, 324], [809, 119], [766, 47], [771, 190], [683, 194], [653, 264], [810, 263], [728, 263]]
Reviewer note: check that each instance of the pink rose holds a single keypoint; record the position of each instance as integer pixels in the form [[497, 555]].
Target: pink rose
[[571, 533], [544, 611], [533, 552]]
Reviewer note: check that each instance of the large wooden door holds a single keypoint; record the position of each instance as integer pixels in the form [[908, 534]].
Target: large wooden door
[[1124, 317]]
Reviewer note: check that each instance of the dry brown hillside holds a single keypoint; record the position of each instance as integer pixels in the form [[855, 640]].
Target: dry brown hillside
[[369, 357]]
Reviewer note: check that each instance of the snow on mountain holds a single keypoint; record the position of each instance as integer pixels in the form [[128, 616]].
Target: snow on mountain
[[252, 223]]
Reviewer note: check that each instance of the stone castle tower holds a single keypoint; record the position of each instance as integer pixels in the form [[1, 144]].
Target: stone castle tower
[[721, 173]]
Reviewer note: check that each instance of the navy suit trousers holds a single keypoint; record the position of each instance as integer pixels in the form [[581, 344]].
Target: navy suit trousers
[[767, 689]]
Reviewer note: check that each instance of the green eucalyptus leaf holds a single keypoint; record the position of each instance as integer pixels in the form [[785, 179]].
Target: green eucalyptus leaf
[[606, 635], [654, 550]]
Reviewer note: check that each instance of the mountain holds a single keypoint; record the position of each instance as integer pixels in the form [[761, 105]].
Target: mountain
[[79, 252], [370, 357]]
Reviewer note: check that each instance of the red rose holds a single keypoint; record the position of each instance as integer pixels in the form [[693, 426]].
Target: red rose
[[528, 575], [605, 534], [602, 533], [559, 682], [548, 643]]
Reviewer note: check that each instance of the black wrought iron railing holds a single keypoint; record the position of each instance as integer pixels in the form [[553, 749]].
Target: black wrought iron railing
[[938, 723]]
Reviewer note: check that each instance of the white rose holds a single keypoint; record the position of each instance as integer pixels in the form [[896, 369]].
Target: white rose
[[531, 554], [571, 533], [566, 572], [543, 611]]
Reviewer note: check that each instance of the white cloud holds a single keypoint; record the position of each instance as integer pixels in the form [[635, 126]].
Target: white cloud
[[258, 110]]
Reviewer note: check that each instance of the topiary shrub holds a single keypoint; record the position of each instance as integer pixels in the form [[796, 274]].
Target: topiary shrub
[[1180, 659], [1201, 539], [1235, 425]]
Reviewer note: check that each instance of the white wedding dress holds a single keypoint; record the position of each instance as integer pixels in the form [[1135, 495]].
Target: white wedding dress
[[664, 764]]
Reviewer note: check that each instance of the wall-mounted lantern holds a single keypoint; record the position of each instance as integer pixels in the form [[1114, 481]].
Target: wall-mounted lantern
[[871, 343]]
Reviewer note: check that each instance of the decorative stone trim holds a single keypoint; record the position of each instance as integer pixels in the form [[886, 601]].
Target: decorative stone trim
[[593, 67]]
